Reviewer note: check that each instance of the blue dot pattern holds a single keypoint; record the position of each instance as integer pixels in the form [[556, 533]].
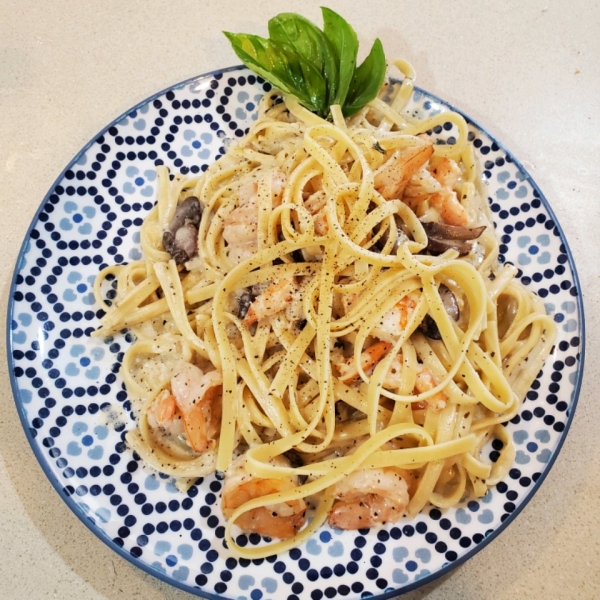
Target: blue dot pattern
[[76, 409]]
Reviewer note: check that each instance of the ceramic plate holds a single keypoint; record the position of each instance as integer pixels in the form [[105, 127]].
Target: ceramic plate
[[75, 410]]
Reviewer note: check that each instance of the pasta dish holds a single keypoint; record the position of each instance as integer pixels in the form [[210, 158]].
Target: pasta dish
[[321, 318]]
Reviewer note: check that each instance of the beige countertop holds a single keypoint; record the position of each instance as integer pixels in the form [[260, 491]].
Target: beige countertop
[[529, 71]]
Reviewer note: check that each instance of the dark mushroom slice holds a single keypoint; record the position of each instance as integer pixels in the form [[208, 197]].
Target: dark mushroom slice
[[189, 211], [296, 461], [401, 237], [179, 255], [449, 301], [436, 246], [452, 232], [428, 326], [245, 300], [181, 238], [442, 237]]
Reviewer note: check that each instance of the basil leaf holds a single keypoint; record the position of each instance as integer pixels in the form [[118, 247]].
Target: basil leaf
[[310, 43], [281, 66], [300, 34], [317, 67], [345, 43], [257, 54], [366, 81], [311, 82]]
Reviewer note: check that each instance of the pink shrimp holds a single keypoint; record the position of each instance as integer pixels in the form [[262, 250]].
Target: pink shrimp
[[368, 358], [445, 171], [426, 381], [281, 520], [393, 176], [315, 204], [368, 498], [420, 186], [273, 300], [278, 182], [451, 210], [394, 322], [240, 226], [164, 407], [393, 378], [191, 407], [445, 200]]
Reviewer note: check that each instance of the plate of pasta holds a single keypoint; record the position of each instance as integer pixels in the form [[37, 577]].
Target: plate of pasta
[[265, 354]]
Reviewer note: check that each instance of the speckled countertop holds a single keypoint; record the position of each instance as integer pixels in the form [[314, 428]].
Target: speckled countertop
[[528, 71]]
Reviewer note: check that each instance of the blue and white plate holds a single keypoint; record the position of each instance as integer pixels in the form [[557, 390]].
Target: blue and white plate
[[75, 410]]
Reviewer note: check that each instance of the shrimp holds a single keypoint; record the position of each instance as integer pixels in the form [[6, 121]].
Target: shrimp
[[393, 176], [191, 407], [394, 322], [281, 520], [273, 300], [315, 204], [405, 175], [240, 226], [424, 382], [393, 378], [369, 497], [278, 181], [369, 358], [163, 414], [420, 186], [240, 231], [451, 210], [445, 171]]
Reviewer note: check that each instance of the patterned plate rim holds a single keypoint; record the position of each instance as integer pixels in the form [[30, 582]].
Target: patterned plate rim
[[101, 534]]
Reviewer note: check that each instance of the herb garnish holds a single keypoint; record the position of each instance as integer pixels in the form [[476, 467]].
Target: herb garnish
[[316, 66]]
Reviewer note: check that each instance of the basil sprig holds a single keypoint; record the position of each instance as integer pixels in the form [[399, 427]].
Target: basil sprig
[[316, 66]]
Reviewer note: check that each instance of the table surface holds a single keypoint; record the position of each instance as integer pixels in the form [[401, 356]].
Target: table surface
[[526, 70]]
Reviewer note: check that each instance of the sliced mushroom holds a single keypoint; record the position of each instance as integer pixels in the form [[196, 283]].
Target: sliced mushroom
[[437, 246], [442, 237], [245, 300], [189, 211], [428, 325], [401, 236], [296, 461], [449, 301], [181, 238]]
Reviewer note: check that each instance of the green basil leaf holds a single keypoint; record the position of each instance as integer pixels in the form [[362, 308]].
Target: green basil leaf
[[282, 66], [310, 81], [317, 67], [366, 81], [345, 43], [300, 34], [257, 54], [310, 43]]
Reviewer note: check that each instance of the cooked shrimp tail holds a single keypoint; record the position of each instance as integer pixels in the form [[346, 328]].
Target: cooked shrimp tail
[[393, 176], [192, 406], [273, 300], [368, 358], [368, 498], [282, 520]]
